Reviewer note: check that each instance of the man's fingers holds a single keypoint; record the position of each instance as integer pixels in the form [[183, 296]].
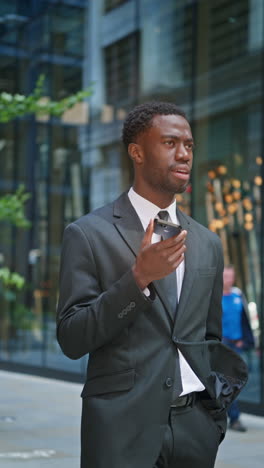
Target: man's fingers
[[180, 259], [177, 239], [148, 234], [173, 258], [172, 241]]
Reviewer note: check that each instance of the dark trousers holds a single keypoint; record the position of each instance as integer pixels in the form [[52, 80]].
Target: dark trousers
[[191, 439]]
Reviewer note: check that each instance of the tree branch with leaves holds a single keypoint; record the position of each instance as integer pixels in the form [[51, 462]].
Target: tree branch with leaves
[[18, 105]]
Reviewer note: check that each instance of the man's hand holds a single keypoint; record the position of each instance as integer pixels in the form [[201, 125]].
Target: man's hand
[[154, 261]]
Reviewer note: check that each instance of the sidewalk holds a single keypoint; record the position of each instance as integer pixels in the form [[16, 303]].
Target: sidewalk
[[40, 427]]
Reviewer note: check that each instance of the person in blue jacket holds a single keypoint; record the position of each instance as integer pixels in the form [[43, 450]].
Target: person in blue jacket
[[237, 333]]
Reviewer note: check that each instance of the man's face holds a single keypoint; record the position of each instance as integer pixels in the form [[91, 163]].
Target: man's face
[[167, 154], [228, 277]]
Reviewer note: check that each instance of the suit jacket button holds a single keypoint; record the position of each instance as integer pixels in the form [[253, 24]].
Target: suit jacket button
[[168, 382]]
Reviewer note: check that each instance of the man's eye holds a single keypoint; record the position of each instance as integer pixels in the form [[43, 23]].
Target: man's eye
[[189, 146], [169, 142]]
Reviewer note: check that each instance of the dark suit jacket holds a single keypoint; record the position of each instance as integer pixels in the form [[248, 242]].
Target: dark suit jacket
[[132, 339]]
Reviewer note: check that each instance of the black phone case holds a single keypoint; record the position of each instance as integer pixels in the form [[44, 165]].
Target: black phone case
[[166, 229]]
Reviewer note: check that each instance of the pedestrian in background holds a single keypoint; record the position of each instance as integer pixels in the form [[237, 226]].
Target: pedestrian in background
[[237, 333]]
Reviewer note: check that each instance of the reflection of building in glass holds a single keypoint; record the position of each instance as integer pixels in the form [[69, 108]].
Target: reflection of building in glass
[[206, 56], [40, 37], [234, 212]]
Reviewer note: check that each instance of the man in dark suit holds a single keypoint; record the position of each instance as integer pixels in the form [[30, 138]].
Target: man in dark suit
[[147, 309]]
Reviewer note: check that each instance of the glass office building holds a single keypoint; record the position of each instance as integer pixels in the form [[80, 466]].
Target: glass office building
[[204, 55]]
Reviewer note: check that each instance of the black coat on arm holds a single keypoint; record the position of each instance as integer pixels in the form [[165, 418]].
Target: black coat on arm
[[132, 340]]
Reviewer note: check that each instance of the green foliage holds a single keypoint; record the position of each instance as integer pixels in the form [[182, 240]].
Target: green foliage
[[22, 317], [12, 207], [11, 280], [18, 105], [12, 210], [10, 283]]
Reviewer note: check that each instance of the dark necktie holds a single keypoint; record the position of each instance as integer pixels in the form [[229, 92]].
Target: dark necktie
[[169, 283]]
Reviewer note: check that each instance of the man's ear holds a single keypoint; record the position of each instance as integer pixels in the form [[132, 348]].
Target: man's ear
[[136, 153]]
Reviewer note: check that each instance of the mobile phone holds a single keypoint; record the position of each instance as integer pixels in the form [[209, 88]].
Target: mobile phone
[[166, 229]]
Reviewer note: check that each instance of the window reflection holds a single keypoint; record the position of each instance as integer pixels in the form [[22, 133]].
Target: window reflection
[[110, 4], [121, 71], [44, 156], [205, 56], [228, 161]]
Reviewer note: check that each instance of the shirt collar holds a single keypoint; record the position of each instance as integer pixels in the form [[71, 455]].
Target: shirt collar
[[147, 210]]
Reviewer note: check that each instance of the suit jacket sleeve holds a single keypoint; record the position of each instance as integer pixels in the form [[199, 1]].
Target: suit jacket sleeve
[[87, 317], [214, 320]]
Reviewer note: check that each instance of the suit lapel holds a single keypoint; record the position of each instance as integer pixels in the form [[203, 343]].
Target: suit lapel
[[131, 230], [128, 223]]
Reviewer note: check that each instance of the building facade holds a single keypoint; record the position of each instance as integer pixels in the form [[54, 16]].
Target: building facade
[[204, 55]]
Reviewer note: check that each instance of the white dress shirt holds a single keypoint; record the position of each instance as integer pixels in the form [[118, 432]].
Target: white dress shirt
[[147, 211]]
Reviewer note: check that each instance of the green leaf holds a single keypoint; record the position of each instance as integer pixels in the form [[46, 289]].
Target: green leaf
[[12, 208], [19, 105], [13, 281]]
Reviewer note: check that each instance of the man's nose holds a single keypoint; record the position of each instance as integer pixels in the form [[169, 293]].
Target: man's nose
[[182, 152]]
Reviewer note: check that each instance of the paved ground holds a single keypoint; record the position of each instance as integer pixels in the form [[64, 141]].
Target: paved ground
[[40, 421]]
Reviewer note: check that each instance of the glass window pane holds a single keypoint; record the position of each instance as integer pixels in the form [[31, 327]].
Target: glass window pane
[[228, 159], [110, 4]]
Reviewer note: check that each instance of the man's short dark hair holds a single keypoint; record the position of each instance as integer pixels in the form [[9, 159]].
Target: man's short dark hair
[[140, 118]]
